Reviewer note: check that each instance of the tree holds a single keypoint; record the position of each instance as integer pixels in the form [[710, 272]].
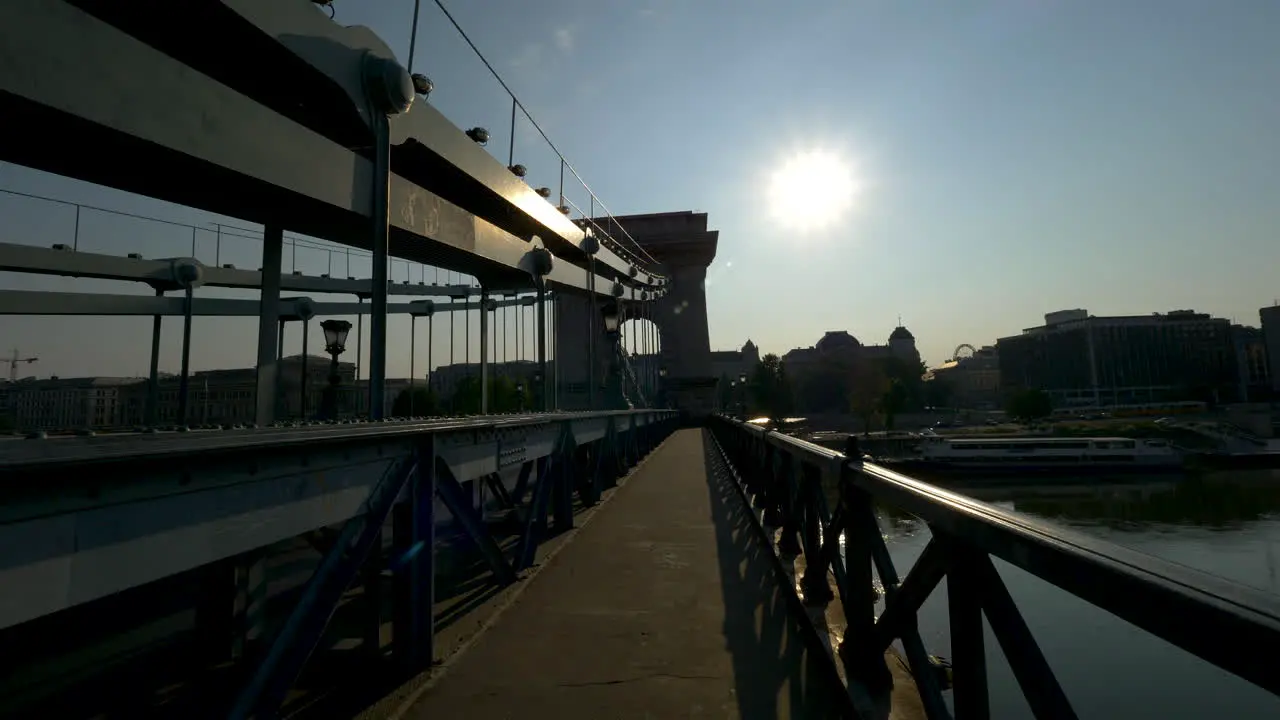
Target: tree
[[503, 397], [937, 393], [893, 401], [867, 387], [1029, 404], [771, 389], [422, 401]]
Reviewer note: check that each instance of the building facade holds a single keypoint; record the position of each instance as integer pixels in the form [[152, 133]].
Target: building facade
[[972, 382], [1088, 361], [823, 376], [1270, 317]]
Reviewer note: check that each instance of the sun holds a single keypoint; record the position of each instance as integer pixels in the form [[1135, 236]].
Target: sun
[[812, 190]]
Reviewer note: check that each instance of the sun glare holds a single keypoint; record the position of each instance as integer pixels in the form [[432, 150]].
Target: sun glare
[[811, 191]]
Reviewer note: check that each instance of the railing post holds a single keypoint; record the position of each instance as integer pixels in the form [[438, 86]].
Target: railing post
[[968, 656], [413, 539], [863, 660], [814, 582], [789, 542]]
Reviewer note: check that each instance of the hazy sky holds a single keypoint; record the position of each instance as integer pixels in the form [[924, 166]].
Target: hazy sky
[[1010, 158]]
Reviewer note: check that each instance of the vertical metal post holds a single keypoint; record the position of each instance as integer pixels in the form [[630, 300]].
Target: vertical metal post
[[302, 369], [542, 342], [484, 351], [282, 404], [964, 609], [217, 245], [184, 383], [413, 344], [75, 238], [413, 535], [269, 329], [593, 307], [153, 380], [466, 334], [381, 238], [193, 242], [511, 146], [359, 333], [431, 339]]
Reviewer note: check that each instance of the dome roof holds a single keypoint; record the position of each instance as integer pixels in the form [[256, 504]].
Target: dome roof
[[837, 340], [901, 333], [749, 346]]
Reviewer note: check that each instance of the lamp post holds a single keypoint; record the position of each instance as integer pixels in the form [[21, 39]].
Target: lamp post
[[520, 395], [612, 327], [742, 399], [335, 342], [662, 387]]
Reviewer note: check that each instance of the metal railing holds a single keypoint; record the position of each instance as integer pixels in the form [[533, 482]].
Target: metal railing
[[815, 496], [532, 467], [608, 235], [220, 230]]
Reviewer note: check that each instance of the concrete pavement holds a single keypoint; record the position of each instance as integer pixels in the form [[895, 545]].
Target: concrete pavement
[[664, 606]]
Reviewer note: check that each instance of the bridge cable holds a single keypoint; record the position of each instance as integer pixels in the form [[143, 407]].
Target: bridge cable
[[525, 110], [413, 34]]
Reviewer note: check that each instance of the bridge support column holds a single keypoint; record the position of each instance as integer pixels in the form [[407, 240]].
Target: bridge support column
[[268, 320]]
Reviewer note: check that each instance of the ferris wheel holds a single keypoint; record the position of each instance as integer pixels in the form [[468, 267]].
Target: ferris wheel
[[964, 350]]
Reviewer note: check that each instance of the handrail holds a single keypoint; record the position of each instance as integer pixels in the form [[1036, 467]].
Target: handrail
[[608, 238], [32, 455], [220, 230], [1232, 626]]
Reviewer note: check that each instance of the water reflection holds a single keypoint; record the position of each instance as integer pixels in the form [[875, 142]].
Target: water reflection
[[1227, 524], [1221, 501]]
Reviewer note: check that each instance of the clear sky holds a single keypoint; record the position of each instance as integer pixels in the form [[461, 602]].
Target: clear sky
[[1007, 158]]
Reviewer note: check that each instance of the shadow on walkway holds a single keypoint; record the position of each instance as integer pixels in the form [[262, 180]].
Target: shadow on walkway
[[776, 673]]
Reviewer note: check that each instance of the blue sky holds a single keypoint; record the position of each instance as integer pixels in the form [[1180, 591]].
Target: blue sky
[[1014, 157]]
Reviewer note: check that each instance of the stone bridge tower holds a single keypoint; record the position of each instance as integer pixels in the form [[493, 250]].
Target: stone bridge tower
[[684, 249]]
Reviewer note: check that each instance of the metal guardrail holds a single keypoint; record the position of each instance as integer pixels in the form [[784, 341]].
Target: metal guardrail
[[18, 455], [215, 488], [815, 495]]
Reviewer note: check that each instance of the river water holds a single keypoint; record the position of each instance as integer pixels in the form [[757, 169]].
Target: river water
[[1227, 524]]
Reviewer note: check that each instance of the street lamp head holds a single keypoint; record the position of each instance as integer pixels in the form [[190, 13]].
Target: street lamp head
[[335, 335], [612, 319], [733, 383], [742, 378], [662, 372]]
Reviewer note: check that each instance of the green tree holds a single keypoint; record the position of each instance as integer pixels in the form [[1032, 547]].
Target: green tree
[[1029, 404], [893, 401], [503, 397], [422, 401], [867, 388], [771, 389], [937, 393]]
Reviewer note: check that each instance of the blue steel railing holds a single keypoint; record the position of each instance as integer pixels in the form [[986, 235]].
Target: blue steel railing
[[815, 495], [558, 456]]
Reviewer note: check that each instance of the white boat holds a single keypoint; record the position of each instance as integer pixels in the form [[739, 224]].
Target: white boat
[[1056, 454]]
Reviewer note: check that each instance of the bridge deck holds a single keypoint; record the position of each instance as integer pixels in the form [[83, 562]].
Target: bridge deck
[[681, 616]]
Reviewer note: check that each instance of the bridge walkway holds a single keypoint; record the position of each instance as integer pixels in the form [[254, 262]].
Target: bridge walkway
[[681, 615]]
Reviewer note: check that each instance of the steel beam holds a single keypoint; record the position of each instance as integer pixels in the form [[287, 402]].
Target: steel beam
[[269, 319], [39, 302], [184, 132], [159, 273]]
